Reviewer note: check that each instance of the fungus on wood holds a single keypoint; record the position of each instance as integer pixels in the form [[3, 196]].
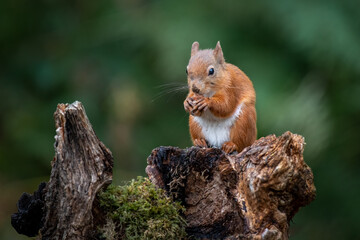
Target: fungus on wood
[[250, 195]]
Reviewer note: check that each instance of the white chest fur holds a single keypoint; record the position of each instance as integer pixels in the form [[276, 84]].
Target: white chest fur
[[217, 130]]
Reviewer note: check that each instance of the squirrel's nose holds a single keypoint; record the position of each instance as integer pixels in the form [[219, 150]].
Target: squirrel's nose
[[195, 89]]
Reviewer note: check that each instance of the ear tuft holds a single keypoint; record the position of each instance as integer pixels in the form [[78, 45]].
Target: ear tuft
[[194, 48], [218, 53]]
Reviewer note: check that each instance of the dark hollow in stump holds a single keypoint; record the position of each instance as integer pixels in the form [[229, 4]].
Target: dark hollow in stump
[[81, 167], [251, 195]]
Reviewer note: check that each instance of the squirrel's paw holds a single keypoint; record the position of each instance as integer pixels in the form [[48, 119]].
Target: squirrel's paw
[[188, 105], [199, 106], [200, 142], [228, 147]]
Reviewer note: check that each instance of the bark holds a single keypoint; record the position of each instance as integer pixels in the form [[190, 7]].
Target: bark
[[251, 195], [81, 167]]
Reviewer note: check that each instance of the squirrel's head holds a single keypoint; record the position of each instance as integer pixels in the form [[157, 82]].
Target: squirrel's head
[[206, 70]]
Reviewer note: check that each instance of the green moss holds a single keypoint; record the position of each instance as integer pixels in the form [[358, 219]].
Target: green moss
[[141, 211]]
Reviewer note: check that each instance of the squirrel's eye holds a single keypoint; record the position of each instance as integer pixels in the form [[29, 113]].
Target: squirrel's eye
[[211, 71], [186, 71]]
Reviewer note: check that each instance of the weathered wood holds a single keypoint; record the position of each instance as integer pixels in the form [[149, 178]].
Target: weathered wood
[[251, 195], [81, 167]]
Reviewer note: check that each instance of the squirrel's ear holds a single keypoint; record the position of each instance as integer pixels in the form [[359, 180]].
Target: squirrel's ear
[[194, 48], [218, 53]]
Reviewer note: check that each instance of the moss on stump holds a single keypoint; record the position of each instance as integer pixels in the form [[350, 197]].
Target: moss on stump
[[139, 210]]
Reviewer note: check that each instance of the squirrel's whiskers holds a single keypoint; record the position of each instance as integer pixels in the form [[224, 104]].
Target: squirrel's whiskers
[[167, 88]]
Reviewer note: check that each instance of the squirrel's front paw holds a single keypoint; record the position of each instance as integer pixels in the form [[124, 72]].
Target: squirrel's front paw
[[199, 106], [188, 104]]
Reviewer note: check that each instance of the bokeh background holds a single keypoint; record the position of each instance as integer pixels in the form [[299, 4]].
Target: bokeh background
[[125, 61]]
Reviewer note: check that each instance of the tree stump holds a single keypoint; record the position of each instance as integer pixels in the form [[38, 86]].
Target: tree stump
[[81, 167], [251, 195]]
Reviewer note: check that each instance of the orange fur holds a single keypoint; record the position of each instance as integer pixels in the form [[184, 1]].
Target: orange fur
[[220, 93]]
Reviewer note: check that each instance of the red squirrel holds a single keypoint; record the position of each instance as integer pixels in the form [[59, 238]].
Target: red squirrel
[[221, 102]]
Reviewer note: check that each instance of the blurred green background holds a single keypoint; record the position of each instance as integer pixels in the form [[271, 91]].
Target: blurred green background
[[125, 60]]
